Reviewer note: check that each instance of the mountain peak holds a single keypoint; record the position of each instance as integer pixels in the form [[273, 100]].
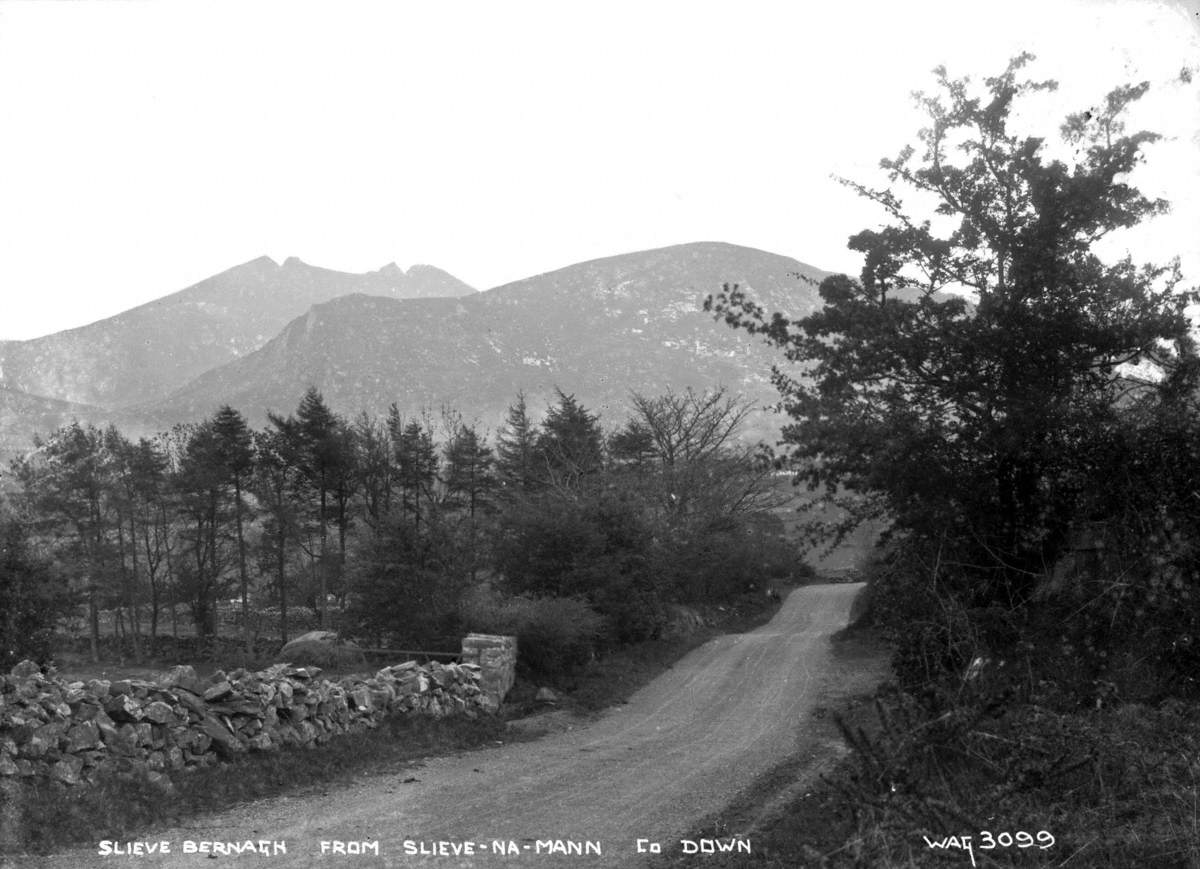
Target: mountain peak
[[148, 351]]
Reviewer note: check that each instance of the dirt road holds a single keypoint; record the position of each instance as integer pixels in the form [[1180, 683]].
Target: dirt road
[[677, 752]]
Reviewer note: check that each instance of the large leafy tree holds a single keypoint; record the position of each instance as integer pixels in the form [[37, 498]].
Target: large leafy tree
[[686, 454], [961, 383], [65, 487]]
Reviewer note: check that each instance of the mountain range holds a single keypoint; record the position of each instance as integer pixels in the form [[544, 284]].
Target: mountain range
[[256, 336]]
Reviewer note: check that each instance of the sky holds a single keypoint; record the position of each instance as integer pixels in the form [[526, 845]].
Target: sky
[[146, 146]]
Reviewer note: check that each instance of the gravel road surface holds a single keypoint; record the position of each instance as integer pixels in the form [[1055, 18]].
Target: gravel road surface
[[678, 751]]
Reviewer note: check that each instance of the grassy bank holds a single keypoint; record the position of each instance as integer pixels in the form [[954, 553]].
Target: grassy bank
[[51, 817], [1114, 785], [792, 815]]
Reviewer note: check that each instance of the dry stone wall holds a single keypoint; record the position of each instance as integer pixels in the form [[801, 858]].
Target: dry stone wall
[[71, 731]]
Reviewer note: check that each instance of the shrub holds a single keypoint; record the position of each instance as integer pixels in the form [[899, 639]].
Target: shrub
[[31, 598], [554, 635]]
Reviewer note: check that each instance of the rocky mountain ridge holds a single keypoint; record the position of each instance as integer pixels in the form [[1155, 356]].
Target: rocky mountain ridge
[[421, 339], [148, 351], [599, 329]]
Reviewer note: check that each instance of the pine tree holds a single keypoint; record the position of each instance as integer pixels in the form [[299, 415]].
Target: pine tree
[[278, 486], [203, 504], [416, 470], [469, 474], [235, 453], [570, 445], [470, 480], [318, 440], [516, 450]]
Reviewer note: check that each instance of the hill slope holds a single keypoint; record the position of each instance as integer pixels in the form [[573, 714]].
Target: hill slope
[[598, 329], [147, 352], [23, 415]]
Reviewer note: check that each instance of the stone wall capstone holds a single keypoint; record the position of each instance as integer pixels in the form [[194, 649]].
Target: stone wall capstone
[[496, 657], [71, 731]]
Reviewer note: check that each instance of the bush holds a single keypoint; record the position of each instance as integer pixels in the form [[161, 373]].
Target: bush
[[32, 598], [595, 550], [403, 589], [718, 563], [554, 635]]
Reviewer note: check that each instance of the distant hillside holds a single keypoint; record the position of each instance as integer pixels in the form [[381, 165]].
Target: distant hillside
[[147, 352], [23, 415], [598, 329]]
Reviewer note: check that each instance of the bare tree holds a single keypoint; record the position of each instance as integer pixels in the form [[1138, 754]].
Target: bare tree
[[702, 472]]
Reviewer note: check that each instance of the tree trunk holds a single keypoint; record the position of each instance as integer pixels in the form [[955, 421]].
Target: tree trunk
[[129, 577], [237, 509], [281, 576], [152, 579], [323, 581], [94, 618]]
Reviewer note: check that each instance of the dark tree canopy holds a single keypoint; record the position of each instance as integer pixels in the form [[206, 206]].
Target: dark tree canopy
[[961, 382], [516, 449], [570, 445]]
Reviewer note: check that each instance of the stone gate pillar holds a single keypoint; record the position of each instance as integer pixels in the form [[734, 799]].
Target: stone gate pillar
[[496, 657]]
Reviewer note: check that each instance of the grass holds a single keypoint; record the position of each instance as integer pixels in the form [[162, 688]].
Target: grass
[[52, 817]]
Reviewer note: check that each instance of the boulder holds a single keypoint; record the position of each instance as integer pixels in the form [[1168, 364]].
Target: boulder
[[159, 713], [322, 649], [222, 737], [122, 707], [25, 669], [218, 690], [67, 770], [182, 676], [83, 736]]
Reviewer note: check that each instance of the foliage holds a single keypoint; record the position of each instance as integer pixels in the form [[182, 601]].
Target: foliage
[[404, 587], [32, 597], [1114, 787], [977, 414], [595, 548], [1127, 599], [725, 559], [380, 526], [516, 450], [569, 444], [554, 635]]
